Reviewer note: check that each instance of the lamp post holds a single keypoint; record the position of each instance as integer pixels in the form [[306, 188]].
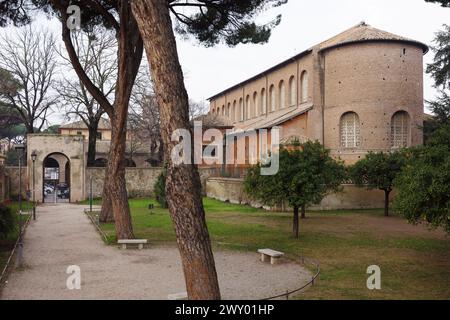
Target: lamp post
[[33, 158], [20, 148]]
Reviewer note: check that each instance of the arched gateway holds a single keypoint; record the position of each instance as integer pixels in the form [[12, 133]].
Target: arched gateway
[[59, 168], [56, 181]]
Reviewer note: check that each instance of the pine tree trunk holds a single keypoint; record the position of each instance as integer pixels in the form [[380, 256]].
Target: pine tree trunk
[[303, 212], [183, 187], [129, 59], [106, 214], [295, 223], [114, 189], [116, 184], [92, 145], [386, 202]]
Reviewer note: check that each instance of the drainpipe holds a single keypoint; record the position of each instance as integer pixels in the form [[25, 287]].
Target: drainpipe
[[322, 92]]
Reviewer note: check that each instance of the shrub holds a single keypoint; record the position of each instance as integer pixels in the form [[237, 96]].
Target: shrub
[[7, 221], [307, 173], [160, 189], [424, 184], [378, 171]]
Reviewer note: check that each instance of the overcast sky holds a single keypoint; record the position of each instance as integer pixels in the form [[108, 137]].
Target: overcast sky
[[304, 24]]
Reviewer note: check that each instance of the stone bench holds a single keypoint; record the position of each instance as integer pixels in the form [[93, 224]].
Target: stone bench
[[139, 242], [178, 296], [274, 255]]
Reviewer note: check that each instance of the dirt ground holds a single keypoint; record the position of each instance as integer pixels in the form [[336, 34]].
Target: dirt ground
[[63, 236]]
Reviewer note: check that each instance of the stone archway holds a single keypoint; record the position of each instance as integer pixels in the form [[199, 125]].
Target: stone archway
[[67, 153], [56, 181]]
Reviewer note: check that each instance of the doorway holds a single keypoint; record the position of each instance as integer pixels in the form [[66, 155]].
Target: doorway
[[56, 182]]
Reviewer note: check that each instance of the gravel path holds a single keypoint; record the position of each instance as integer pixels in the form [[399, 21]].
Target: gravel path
[[64, 236]]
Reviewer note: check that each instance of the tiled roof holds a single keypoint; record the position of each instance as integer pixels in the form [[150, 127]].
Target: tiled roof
[[362, 32], [273, 119], [214, 121], [102, 125]]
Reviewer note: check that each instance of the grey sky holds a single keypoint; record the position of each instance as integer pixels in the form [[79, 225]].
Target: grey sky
[[304, 24]]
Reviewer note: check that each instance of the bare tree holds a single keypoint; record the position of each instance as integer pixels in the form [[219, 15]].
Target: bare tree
[[197, 109], [97, 52], [29, 56], [144, 123], [117, 16]]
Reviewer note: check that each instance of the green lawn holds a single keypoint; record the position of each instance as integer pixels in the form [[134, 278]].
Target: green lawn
[[414, 261]]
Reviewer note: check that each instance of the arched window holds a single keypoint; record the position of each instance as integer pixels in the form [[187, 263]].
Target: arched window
[[350, 132], [304, 86], [228, 110], [241, 110], [247, 108], [255, 104], [272, 98], [233, 116], [223, 110], [400, 130], [263, 101], [292, 92], [282, 92]]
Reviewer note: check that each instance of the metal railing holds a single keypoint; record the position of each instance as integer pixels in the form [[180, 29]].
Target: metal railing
[[316, 275], [95, 221], [304, 260]]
